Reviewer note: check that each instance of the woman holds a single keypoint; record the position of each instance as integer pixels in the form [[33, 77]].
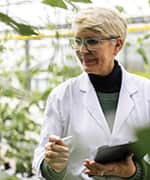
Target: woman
[[102, 106]]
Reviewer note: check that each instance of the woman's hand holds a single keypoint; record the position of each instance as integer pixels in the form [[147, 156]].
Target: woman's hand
[[56, 153], [122, 169]]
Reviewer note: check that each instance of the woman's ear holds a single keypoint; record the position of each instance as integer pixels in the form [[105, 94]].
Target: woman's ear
[[118, 45]]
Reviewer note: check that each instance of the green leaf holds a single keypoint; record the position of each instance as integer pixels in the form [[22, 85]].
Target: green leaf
[[147, 36], [140, 40], [120, 8], [22, 29], [127, 44], [6, 19], [55, 3], [5, 176], [25, 29], [2, 48], [143, 135], [142, 52], [11, 91]]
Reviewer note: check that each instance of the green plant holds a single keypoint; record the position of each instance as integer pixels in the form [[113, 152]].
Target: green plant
[[17, 125], [143, 145], [142, 52], [15, 129], [63, 3], [5, 176], [26, 29]]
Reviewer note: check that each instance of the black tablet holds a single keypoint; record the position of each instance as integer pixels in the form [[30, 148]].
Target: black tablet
[[107, 154]]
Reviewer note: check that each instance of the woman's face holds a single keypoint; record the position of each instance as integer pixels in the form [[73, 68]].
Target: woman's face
[[100, 60]]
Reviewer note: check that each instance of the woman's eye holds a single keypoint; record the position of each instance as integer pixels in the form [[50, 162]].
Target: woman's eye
[[92, 41], [77, 41]]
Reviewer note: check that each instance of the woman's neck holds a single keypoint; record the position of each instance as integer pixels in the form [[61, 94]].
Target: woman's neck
[[110, 83]]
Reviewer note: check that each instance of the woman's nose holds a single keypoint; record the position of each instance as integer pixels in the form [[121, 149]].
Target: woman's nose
[[83, 49]]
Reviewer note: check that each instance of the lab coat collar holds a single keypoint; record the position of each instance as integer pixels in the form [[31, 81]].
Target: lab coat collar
[[127, 82], [125, 103], [91, 103]]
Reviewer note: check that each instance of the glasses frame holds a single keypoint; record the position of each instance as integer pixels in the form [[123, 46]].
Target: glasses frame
[[83, 42]]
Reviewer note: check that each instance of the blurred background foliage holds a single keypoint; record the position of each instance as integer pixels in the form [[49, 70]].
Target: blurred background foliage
[[18, 127], [18, 130]]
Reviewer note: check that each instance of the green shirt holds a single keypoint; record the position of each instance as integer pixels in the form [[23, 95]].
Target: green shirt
[[108, 102]]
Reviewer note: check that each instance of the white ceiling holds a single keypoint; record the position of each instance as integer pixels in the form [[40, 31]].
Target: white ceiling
[[38, 14], [132, 7]]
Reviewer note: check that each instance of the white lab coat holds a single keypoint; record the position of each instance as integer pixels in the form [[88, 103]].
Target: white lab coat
[[73, 109]]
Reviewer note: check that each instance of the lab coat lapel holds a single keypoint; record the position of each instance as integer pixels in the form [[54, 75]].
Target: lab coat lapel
[[91, 103], [125, 103]]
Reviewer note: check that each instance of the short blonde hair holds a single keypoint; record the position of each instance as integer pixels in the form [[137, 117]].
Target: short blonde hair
[[106, 21]]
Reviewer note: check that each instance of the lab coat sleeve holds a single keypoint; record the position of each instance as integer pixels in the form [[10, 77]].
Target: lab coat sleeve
[[140, 171], [52, 124], [50, 174]]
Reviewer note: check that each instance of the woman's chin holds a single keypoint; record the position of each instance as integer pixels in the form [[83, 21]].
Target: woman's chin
[[89, 70]]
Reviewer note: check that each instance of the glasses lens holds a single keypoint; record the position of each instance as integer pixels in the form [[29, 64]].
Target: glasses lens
[[75, 43], [92, 43]]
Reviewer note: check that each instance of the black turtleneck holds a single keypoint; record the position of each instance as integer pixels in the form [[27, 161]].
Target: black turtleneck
[[110, 83]]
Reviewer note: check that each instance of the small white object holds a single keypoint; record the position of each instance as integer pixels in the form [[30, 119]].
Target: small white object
[[67, 140]]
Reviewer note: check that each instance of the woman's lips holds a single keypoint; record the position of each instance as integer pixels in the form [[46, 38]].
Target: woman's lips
[[89, 61]]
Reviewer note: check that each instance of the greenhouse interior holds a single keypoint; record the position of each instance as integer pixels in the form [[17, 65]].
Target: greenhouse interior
[[36, 56]]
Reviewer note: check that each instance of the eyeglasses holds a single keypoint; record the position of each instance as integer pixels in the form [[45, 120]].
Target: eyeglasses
[[90, 43]]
